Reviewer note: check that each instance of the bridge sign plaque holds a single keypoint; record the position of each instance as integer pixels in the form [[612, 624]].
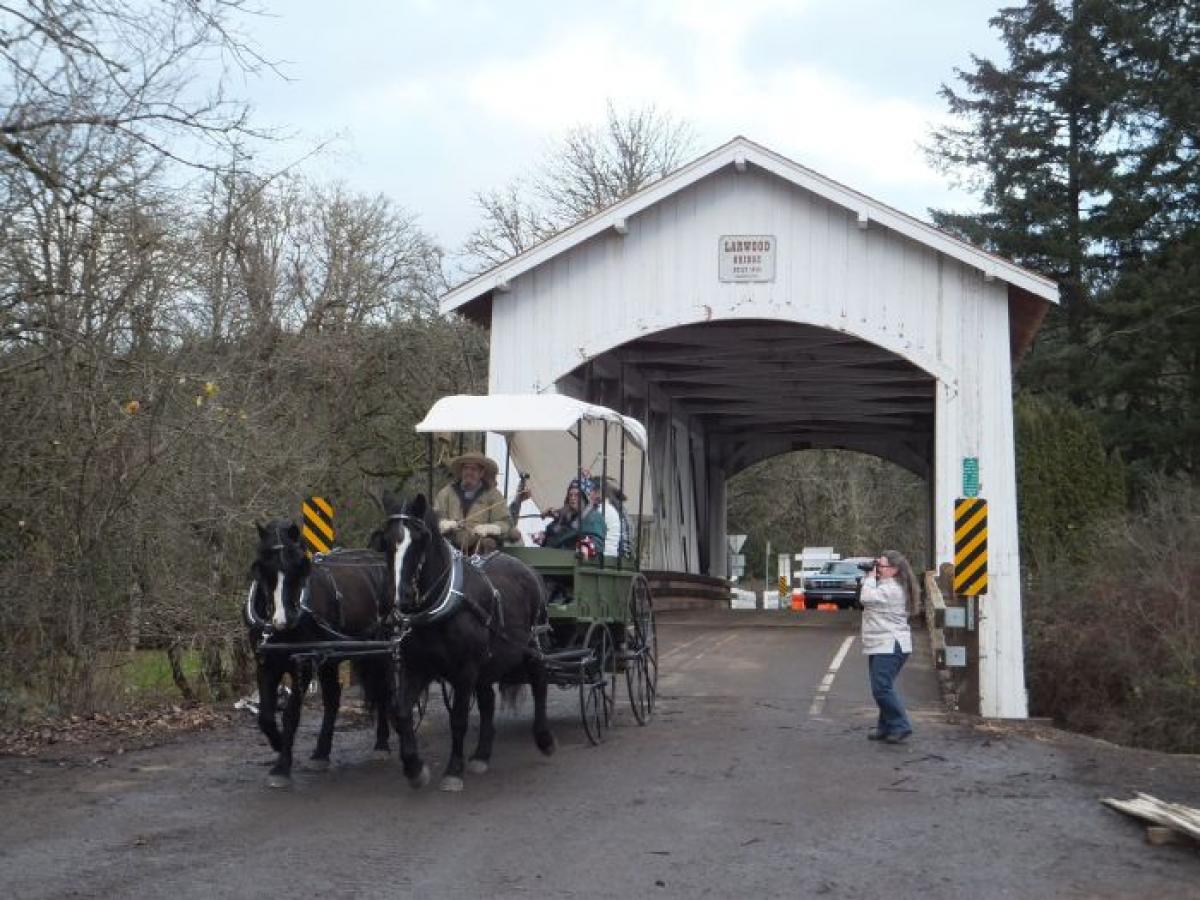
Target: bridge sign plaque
[[746, 257]]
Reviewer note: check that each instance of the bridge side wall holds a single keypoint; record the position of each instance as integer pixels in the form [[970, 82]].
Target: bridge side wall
[[974, 419], [933, 311]]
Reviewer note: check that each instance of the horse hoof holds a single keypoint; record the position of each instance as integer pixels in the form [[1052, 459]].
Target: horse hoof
[[546, 743], [451, 784], [477, 766], [279, 781], [319, 765], [381, 755], [420, 779]]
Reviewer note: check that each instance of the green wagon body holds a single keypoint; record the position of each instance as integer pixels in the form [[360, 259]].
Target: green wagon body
[[596, 593]]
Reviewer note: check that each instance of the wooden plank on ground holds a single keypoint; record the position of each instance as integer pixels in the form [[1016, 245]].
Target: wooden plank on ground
[[1175, 816]]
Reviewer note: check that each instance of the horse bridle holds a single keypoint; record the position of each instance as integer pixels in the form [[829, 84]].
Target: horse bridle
[[273, 549]]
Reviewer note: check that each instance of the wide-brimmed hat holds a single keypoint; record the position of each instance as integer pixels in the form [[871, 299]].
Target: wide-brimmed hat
[[490, 469]]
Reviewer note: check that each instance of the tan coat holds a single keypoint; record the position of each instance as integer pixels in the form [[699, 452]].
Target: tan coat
[[488, 510]]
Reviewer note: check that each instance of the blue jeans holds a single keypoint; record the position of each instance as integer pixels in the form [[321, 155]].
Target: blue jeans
[[884, 667]]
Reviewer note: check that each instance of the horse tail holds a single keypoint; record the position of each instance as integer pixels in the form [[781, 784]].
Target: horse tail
[[511, 695], [376, 682]]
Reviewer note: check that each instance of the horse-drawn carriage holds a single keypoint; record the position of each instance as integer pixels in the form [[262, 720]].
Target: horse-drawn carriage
[[527, 615], [600, 615]]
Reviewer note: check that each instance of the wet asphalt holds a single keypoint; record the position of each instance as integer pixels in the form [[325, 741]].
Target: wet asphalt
[[754, 778]]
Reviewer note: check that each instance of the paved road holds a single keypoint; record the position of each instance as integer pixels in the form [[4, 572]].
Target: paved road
[[750, 781]]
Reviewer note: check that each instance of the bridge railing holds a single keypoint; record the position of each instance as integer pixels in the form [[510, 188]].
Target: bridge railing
[[683, 590], [953, 639]]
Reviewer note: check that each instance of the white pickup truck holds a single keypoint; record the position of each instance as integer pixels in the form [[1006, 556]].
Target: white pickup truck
[[813, 559]]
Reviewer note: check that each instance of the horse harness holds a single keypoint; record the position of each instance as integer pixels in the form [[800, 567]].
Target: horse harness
[[453, 599], [323, 563]]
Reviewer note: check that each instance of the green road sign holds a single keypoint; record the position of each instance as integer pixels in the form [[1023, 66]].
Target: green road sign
[[970, 476]]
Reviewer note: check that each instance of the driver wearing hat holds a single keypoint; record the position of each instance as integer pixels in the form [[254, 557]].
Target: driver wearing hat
[[471, 511]]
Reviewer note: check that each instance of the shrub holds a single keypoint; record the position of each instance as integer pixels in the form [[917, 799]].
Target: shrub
[[1113, 638], [1065, 481]]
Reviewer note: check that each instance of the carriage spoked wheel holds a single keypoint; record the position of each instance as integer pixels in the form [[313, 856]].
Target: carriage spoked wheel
[[597, 682], [641, 650]]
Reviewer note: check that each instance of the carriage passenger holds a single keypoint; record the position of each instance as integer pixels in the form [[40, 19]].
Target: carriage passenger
[[574, 524], [616, 498], [602, 510], [471, 511]]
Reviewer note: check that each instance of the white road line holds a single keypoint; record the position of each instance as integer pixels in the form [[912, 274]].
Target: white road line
[[681, 647], [694, 658], [818, 703]]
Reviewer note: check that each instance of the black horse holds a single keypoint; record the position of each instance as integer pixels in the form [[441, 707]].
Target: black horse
[[293, 600], [470, 626]]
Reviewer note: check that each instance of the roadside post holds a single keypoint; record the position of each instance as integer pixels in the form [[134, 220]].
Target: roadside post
[[737, 559], [768, 594], [785, 580], [963, 585]]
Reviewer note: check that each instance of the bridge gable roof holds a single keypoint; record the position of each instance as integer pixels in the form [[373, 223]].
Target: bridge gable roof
[[739, 153]]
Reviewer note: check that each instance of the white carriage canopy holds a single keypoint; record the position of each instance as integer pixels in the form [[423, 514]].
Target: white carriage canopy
[[541, 431]]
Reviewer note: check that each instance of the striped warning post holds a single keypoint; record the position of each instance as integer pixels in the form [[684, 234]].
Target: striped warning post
[[317, 532], [970, 547]]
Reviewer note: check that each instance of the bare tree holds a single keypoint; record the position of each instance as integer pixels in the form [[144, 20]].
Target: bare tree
[[359, 259], [851, 501], [596, 166], [70, 69], [591, 169], [511, 225]]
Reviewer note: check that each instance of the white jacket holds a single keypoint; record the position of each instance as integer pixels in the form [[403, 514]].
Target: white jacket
[[612, 530], [885, 616]]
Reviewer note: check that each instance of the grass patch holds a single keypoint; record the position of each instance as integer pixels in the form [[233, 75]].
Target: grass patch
[[146, 674]]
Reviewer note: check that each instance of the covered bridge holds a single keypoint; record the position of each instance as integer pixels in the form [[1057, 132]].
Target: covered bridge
[[746, 306]]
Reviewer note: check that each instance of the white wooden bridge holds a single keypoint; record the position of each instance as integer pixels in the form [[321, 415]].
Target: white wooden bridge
[[746, 306]]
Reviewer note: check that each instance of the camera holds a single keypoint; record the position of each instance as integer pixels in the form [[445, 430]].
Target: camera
[[866, 566]]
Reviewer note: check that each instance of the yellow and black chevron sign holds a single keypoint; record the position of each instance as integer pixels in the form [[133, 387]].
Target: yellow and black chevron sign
[[970, 547], [317, 532]]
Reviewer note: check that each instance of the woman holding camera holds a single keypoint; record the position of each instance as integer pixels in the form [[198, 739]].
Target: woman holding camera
[[889, 596]]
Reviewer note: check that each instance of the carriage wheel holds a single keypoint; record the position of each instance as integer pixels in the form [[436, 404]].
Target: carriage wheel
[[641, 650], [597, 680]]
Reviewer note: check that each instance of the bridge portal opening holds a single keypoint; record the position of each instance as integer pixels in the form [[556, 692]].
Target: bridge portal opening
[[720, 397], [852, 502]]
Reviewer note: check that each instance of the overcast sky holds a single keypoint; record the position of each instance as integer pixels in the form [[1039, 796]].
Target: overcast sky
[[431, 101]]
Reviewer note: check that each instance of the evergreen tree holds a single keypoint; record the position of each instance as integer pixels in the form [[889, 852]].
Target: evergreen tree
[[1039, 142], [1065, 482], [1083, 147], [1146, 352]]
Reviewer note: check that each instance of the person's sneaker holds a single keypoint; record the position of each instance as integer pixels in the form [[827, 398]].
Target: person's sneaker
[[898, 737], [876, 735]]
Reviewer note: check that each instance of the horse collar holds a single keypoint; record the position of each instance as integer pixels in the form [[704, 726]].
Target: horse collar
[[447, 604]]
